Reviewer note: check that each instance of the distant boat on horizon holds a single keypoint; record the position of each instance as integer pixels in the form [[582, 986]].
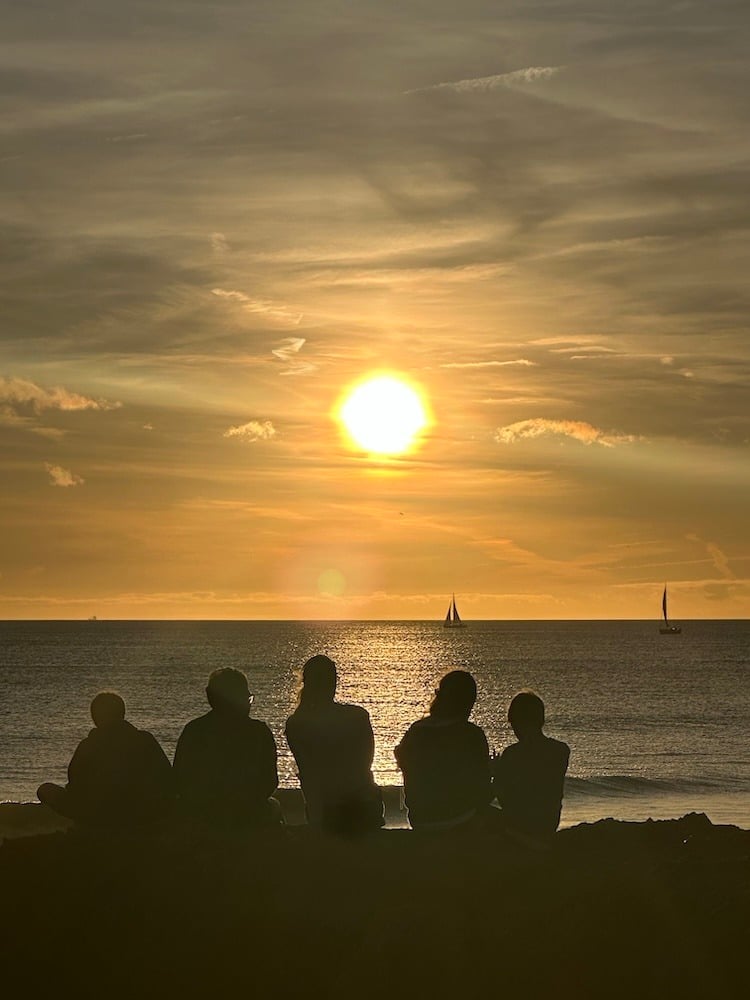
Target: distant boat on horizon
[[667, 628], [92, 618], [452, 618]]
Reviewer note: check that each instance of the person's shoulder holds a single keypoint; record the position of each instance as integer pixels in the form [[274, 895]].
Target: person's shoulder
[[147, 738], [196, 726], [416, 729], [511, 751], [294, 721], [355, 713], [559, 748], [89, 742], [258, 727]]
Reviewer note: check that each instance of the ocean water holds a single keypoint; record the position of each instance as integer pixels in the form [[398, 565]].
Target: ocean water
[[657, 725]]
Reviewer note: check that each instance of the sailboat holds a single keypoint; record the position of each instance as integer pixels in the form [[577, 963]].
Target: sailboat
[[667, 628], [452, 618]]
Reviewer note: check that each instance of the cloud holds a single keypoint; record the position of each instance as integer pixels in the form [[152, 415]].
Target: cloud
[[264, 307], [591, 348], [253, 430], [518, 77], [287, 351], [219, 244], [524, 362], [577, 429], [131, 137], [717, 556], [18, 393], [62, 477]]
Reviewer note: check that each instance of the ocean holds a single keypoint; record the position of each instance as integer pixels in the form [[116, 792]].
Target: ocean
[[658, 725]]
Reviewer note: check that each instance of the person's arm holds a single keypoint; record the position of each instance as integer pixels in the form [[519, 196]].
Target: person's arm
[[291, 732], [269, 775], [484, 771], [160, 770], [366, 741], [181, 764], [499, 782], [78, 768], [401, 751]]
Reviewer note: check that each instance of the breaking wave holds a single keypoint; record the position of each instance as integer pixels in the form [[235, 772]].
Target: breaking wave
[[619, 785]]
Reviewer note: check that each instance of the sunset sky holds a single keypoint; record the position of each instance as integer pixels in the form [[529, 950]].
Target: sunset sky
[[216, 217]]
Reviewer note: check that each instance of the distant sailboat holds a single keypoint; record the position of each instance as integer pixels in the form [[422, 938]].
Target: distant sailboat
[[452, 618], [667, 628]]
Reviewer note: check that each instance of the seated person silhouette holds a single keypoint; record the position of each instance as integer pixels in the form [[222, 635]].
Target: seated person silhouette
[[529, 775], [445, 759], [225, 762], [118, 776], [333, 746]]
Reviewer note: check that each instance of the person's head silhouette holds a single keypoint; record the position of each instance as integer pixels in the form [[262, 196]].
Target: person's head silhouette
[[526, 714], [107, 710], [318, 681], [455, 696], [227, 692]]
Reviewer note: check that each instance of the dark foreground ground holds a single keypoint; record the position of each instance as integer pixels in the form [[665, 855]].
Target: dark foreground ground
[[612, 910]]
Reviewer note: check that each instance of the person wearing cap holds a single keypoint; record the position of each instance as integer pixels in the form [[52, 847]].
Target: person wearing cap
[[445, 759], [529, 775], [225, 763], [118, 777], [333, 746]]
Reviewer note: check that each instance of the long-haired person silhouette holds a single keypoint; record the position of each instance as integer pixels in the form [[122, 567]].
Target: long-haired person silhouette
[[445, 759], [333, 746]]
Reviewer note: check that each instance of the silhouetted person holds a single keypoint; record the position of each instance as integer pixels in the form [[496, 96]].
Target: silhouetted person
[[118, 776], [445, 759], [333, 746], [225, 762], [529, 775]]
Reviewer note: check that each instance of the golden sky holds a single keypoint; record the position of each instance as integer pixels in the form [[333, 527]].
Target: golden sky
[[215, 218]]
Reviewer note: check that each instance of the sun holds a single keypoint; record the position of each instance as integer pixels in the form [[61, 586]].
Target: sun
[[383, 414]]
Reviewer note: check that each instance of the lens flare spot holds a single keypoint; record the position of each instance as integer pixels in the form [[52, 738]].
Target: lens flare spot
[[332, 583]]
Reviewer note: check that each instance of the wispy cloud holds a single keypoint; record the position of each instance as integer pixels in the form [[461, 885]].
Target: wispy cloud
[[518, 77], [579, 430], [287, 351], [219, 244], [591, 348], [253, 430], [62, 477], [18, 392], [131, 137], [272, 310], [522, 362], [717, 556]]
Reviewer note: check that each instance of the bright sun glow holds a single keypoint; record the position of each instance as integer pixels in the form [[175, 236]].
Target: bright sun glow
[[383, 415]]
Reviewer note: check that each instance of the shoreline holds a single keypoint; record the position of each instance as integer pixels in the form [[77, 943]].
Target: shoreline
[[31, 818]]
